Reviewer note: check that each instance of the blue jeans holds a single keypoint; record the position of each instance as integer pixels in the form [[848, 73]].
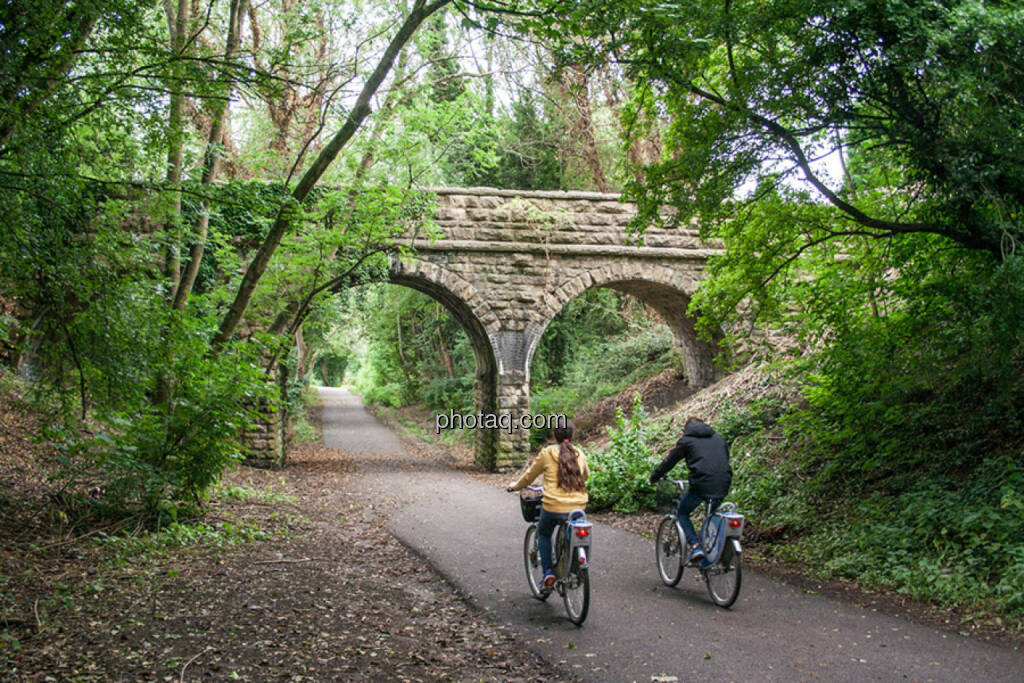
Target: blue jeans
[[545, 528], [688, 504]]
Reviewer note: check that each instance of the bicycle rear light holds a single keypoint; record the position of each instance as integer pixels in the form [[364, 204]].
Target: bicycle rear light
[[734, 522], [582, 532]]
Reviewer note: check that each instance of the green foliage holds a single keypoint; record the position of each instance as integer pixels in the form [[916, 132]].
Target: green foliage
[[451, 393], [130, 548], [139, 456], [941, 540], [937, 385], [619, 476], [410, 350], [529, 159], [389, 395], [601, 343], [740, 90], [245, 494]]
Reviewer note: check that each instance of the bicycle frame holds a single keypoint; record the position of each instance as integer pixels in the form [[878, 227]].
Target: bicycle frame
[[731, 521], [724, 526]]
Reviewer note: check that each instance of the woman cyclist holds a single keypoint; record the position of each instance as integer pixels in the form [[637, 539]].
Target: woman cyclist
[[564, 467]]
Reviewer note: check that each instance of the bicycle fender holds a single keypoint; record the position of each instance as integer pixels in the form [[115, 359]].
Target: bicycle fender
[[737, 548]]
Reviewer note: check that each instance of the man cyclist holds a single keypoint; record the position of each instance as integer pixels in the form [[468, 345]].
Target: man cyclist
[[707, 456]]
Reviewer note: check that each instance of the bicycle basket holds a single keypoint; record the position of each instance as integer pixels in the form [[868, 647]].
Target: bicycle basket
[[529, 503]]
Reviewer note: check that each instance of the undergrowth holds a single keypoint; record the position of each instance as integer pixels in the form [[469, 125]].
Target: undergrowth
[[948, 536]]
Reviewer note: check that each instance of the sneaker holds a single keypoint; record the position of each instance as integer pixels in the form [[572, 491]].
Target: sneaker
[[549, 580], [695, 554]]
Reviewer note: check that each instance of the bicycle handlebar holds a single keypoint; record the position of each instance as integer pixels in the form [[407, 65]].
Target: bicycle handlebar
[[531, 487]]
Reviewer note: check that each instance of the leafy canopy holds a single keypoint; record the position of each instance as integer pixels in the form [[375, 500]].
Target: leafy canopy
[[926, 99]]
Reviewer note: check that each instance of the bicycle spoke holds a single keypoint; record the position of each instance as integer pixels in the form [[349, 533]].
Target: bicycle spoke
[[576, 587], [531, 562]]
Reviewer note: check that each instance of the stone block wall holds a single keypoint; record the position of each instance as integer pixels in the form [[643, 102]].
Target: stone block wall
[[264, 443], [508, 261]]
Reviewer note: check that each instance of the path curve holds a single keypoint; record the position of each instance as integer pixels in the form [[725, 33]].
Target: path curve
[[637, 628]]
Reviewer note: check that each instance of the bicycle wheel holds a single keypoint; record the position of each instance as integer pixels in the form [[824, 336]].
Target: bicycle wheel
[[724, 577], [668, 550], [531, 560], [577, 595]]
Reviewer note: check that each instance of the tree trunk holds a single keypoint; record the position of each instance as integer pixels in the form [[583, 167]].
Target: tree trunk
[[300, 355], [441, 345], [175, 136], [211, 158]]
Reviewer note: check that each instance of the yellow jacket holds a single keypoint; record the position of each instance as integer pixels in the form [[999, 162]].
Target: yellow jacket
[[556, 499]]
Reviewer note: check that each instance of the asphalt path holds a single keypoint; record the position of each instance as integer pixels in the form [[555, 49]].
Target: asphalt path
[[638, 629]]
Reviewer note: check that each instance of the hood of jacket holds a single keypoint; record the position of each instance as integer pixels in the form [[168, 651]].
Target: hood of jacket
[[699, 430]]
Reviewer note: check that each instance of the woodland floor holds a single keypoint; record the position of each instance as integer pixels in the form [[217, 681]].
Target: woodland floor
[[329, 595]]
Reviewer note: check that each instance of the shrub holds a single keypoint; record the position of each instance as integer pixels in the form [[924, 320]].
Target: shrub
[[451, 393], [147, 457], [619, 476], [942, 540], [389, 395]]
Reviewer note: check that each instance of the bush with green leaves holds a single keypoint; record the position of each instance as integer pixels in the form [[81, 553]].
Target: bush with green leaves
[[942, 540], [451, 393], [164, 417], [389, 395], [619, 476]]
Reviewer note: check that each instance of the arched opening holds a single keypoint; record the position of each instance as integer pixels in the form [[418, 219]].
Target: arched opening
[[595, 352], [485, 380], [697, 355], [664, 289], [425, 344]]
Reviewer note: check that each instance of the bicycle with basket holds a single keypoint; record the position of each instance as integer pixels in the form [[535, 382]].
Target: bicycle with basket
[[571, 556]]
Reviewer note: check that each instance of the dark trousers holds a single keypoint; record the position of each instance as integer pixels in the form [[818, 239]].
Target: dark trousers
[[688, 504], [545, 528]]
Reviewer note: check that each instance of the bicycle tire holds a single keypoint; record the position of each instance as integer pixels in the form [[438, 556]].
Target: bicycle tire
[[576, 595], [668, 551], [725, 577], [531, 562]]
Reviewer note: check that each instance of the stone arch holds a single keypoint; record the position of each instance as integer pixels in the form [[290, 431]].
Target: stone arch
[[667, 290], [475, 316]]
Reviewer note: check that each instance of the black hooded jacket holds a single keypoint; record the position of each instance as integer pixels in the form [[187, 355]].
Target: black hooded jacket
[[706, 455]]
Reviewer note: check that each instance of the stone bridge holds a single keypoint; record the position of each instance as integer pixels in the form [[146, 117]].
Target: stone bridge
[[507, 261]]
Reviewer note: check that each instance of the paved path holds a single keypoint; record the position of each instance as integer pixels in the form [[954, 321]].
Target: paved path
[[637, 628]]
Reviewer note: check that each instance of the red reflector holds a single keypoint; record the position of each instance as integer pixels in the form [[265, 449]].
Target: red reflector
[[582, 532], [734, 522]]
